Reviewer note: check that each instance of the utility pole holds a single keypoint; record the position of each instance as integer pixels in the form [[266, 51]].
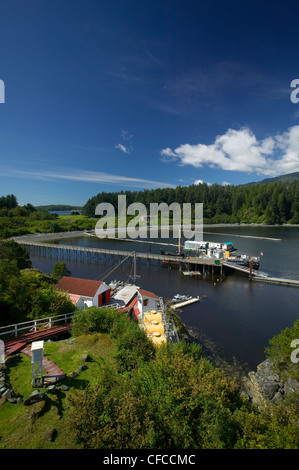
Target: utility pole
[[250, 269]]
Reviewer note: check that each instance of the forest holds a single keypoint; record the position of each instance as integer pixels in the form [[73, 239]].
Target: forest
[[272, 203]]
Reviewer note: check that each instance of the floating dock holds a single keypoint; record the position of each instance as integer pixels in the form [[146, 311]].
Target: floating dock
[[192, 273], [277, 280], [185, 303]]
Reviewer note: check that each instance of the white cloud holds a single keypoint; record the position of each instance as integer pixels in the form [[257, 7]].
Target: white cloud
[[240, 150], [84, 176], [123, 148], [125, 135], [127, 138], [201, 182]]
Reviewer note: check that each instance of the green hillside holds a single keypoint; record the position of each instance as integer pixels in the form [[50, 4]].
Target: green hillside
[[288, 178]]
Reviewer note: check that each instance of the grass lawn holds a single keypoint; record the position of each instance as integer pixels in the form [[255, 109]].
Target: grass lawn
[[17, 430]]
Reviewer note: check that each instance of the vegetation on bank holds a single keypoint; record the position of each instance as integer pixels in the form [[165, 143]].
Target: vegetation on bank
[[20, 222]]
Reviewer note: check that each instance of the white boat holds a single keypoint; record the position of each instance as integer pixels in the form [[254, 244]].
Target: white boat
[[181, 298]]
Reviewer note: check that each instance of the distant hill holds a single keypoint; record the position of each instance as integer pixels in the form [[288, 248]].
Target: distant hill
[[288, 178]]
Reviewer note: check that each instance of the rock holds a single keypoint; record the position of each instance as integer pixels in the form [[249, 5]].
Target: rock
[[268, 388], [12, 400], [83, 367], [63, 388], [36, 409], [253, 390], [35, 397], [277, 398], [50, 434], [2, 390], [265, 386], [9, 394], [84, 357], [51, 389], [291, 386], [73, 374], [2, 401]]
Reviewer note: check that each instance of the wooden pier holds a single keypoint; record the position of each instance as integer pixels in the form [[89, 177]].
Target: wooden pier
[[37, 247]]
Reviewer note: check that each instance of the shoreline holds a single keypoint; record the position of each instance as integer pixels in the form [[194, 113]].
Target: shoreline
[[92, 232]]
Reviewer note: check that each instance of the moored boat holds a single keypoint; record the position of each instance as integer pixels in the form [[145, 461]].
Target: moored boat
[[172, 253], [181, 298], [244, 260]]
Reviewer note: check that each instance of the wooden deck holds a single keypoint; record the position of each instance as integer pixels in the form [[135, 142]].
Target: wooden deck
[[15, 345], [51, 372]]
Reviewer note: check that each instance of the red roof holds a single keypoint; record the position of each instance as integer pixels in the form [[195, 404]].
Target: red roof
[[78, 286], [74, 298], [146, 293], [134, 306]]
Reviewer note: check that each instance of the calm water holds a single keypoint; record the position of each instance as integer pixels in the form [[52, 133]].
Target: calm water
[[236, 317]]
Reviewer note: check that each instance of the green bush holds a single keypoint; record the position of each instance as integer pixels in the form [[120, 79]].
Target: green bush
[[280, 350], [93, 320], [132, 344]]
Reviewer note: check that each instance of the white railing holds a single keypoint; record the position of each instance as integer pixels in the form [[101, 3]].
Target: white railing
[[33, 325]]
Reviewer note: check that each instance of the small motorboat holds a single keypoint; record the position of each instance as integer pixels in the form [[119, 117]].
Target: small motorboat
[[181, 298]]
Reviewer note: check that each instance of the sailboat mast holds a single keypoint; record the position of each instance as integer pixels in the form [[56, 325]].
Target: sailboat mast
[[179, 239]]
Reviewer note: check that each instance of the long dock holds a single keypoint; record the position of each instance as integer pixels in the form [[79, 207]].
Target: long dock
[[277, 280], [36, 245], [185, 303]]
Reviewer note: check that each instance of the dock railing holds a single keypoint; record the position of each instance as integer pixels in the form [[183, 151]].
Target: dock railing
[[34, 325]]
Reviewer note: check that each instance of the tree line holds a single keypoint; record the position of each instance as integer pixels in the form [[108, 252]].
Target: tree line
[[271, 203]]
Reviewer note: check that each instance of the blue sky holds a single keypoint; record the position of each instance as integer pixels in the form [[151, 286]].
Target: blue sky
[[126, 94]]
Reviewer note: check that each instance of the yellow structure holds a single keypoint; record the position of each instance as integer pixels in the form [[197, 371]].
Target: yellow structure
[[154, 327]]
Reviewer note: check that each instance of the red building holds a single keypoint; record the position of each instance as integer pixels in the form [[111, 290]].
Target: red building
[[92, 293]]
